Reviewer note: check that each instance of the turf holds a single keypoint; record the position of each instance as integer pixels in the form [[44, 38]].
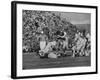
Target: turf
[[32, 61]]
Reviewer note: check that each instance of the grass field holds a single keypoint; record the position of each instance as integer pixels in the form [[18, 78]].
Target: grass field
[[31, 61]]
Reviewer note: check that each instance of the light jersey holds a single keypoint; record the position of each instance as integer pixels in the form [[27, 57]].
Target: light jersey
[[89, 37], [48, 47], [52, 55], [76, 36], [80, 43], [42, 45], [65, 43], [42, 42]]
